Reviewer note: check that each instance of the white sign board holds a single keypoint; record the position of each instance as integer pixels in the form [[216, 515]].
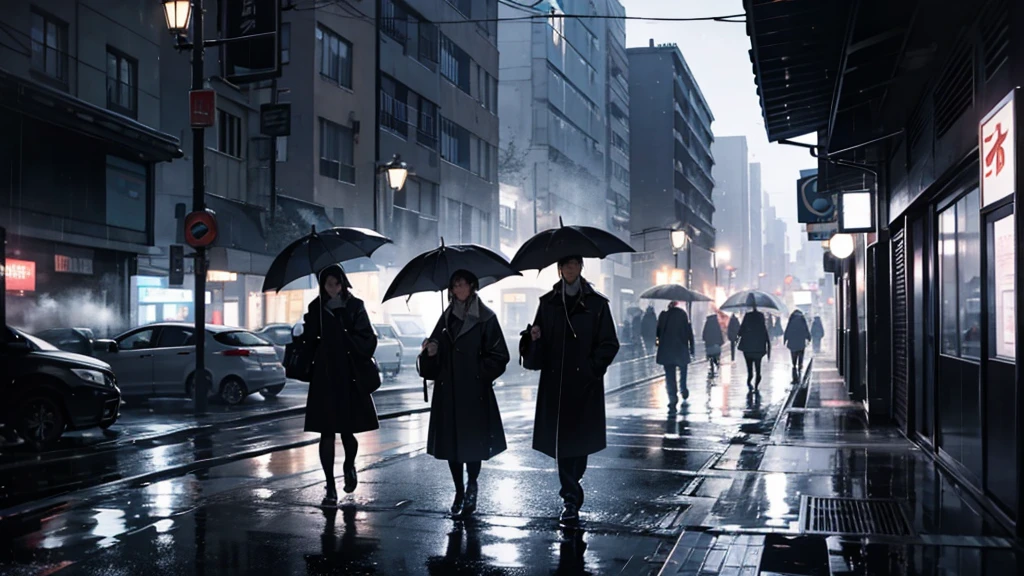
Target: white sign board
[[997, 143]]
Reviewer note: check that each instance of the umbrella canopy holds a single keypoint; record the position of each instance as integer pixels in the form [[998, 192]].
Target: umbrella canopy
[[550, 246], [431, 271], [676, 292], [318, 250], [764, 301]]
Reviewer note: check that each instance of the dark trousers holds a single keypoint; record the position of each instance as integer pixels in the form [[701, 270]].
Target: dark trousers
[[753, 365], [797, 356], [672, 386], [570, 472], [732, 347]]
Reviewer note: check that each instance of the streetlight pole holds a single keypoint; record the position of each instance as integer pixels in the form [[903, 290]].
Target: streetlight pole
[[200, 385]]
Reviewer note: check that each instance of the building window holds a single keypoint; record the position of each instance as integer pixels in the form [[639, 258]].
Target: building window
[[394, 110], [126, 194], [394, 21], [454, 64], [454, 143], [50, 46], [335, 57], [337, 151], [282, 149], [286, 42], [482, 156], [229, 134], [1002, 290], [427, 49], [960, 278], [122, 83], [463, 6], [486, 90], [426, 127], [507, 217]]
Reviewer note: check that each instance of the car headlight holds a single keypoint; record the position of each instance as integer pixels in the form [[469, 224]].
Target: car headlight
[[90, 376]]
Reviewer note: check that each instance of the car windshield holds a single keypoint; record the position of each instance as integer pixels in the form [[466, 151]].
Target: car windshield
[[278, 335], [386, 331], [240, 338], [409, 327], [38, 343]]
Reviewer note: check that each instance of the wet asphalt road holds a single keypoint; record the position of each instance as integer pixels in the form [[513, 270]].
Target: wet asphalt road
[[244, 499]]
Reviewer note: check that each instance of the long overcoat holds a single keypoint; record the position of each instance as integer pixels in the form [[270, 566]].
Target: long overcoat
[[712, 335], [335, 404], [573, 353], [675, 338], [465, 424], [754, 340], [797, 335], [734, 329]]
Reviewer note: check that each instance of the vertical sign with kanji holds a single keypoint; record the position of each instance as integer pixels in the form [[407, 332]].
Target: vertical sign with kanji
[[997, 146]]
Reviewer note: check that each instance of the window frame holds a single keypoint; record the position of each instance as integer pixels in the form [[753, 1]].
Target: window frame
[[229, 144], [132, 109], [337, 77], [330, 129], [61, 73]]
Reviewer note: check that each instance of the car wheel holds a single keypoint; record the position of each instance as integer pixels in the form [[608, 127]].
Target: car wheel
[[190, 385], [271, 391], [233, 391], [40, 420]]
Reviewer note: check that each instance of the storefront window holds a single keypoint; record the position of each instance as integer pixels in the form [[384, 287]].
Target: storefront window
[[1003, 296], [960, 276]]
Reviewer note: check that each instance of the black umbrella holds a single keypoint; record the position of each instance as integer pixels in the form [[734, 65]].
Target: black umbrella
[[431, 271], [550, 246], [676, 292], [764, 300], [318, 250]]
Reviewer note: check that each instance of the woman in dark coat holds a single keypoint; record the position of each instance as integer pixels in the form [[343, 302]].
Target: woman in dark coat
[[572, 342], [796, 338], [464, 355], [713, 341], [754, 341], [817, 333], [336, 323], [734, 334]]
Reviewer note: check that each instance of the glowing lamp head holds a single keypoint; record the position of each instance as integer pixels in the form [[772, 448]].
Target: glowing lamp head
[[177, 15], [841, 245]]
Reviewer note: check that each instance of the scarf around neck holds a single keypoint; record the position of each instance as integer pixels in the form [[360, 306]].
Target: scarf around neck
[[572, 289], [471, 307]]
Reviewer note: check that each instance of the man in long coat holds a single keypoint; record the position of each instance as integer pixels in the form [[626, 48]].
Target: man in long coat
[[734, 335], [572, 342], [675, 349]]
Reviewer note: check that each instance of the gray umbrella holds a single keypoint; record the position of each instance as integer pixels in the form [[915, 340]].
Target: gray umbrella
[[741, 301], [675, 292]]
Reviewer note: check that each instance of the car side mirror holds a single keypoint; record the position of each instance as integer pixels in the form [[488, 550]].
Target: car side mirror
[[113, 348]]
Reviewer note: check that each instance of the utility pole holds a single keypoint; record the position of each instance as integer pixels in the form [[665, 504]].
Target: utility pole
[[200, 385], [273, 159]]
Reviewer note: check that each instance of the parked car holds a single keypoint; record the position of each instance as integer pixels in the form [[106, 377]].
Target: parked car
[[280, 334], [77, 340], [159, 360], [411, 333], [48, 391], [389, 352]]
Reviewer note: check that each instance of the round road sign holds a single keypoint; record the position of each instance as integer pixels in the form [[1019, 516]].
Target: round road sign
[[201, 228]]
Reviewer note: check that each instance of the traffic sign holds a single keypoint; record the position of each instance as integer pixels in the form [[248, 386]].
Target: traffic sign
[[202, 108], [276, 119], [201, 228]]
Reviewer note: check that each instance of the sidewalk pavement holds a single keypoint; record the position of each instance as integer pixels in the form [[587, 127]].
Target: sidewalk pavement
[[824, 493]]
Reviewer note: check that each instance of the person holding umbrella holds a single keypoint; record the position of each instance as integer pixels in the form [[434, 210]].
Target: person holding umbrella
[[754, 341], [734, 334], [796, 338], [464, 355], [337, 325], [675, 349], [572, 342], [713, 342]]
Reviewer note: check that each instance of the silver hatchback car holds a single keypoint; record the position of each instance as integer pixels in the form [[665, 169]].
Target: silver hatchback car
[[158, 360]]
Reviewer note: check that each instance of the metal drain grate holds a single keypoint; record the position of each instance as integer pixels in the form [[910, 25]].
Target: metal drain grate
[[852, 516]]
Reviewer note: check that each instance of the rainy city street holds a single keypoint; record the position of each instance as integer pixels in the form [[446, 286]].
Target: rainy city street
[[716, 488]]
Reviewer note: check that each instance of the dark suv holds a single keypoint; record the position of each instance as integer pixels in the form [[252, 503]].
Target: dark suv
[[49, 391]]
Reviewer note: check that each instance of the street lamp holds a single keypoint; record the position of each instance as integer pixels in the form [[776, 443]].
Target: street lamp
[[177, 14], [841, 245], [759, 276], [397, 171]]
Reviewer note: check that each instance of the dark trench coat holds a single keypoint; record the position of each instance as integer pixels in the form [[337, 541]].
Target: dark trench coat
[[675, 338], [335, 404], [797, 335], [754, 339], [465, 424], [734, 329], [712, 336], [572, 362]]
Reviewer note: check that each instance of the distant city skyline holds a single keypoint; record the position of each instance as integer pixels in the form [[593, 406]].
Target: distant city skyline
[[717, 55]]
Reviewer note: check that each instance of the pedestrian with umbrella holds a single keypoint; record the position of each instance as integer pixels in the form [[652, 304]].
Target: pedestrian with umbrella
[[464, 355], [572, 342], [754, 341], [734, 334], [337, 328], [713, 341], [796, 338], [675, 350]]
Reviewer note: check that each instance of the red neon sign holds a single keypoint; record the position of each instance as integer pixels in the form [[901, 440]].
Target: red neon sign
[[21, 275]]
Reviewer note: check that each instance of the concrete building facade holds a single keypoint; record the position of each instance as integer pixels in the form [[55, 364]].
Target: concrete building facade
[[732, 201]]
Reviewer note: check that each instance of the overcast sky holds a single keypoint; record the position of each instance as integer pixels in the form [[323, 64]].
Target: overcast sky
[[717, 55]]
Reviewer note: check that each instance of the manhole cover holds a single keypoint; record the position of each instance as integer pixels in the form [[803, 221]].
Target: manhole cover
[[852, 516]]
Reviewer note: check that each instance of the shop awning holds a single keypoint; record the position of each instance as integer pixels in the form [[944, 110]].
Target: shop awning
[[56, 107], [305, 214]]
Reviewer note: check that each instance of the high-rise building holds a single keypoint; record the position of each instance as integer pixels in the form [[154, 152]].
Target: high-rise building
[[556, 105], [756, 223], [732, 202], [671, 162], [776, 249]]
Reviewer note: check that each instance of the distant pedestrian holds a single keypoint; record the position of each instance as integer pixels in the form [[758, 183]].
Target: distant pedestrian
[[817, 333], [464, 355], [637, 334], [675, 349], [650, 329], [734, 335], [754, 342], [777, 331], [337, 325], [572, 342], [713, 341], [796, 338]]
